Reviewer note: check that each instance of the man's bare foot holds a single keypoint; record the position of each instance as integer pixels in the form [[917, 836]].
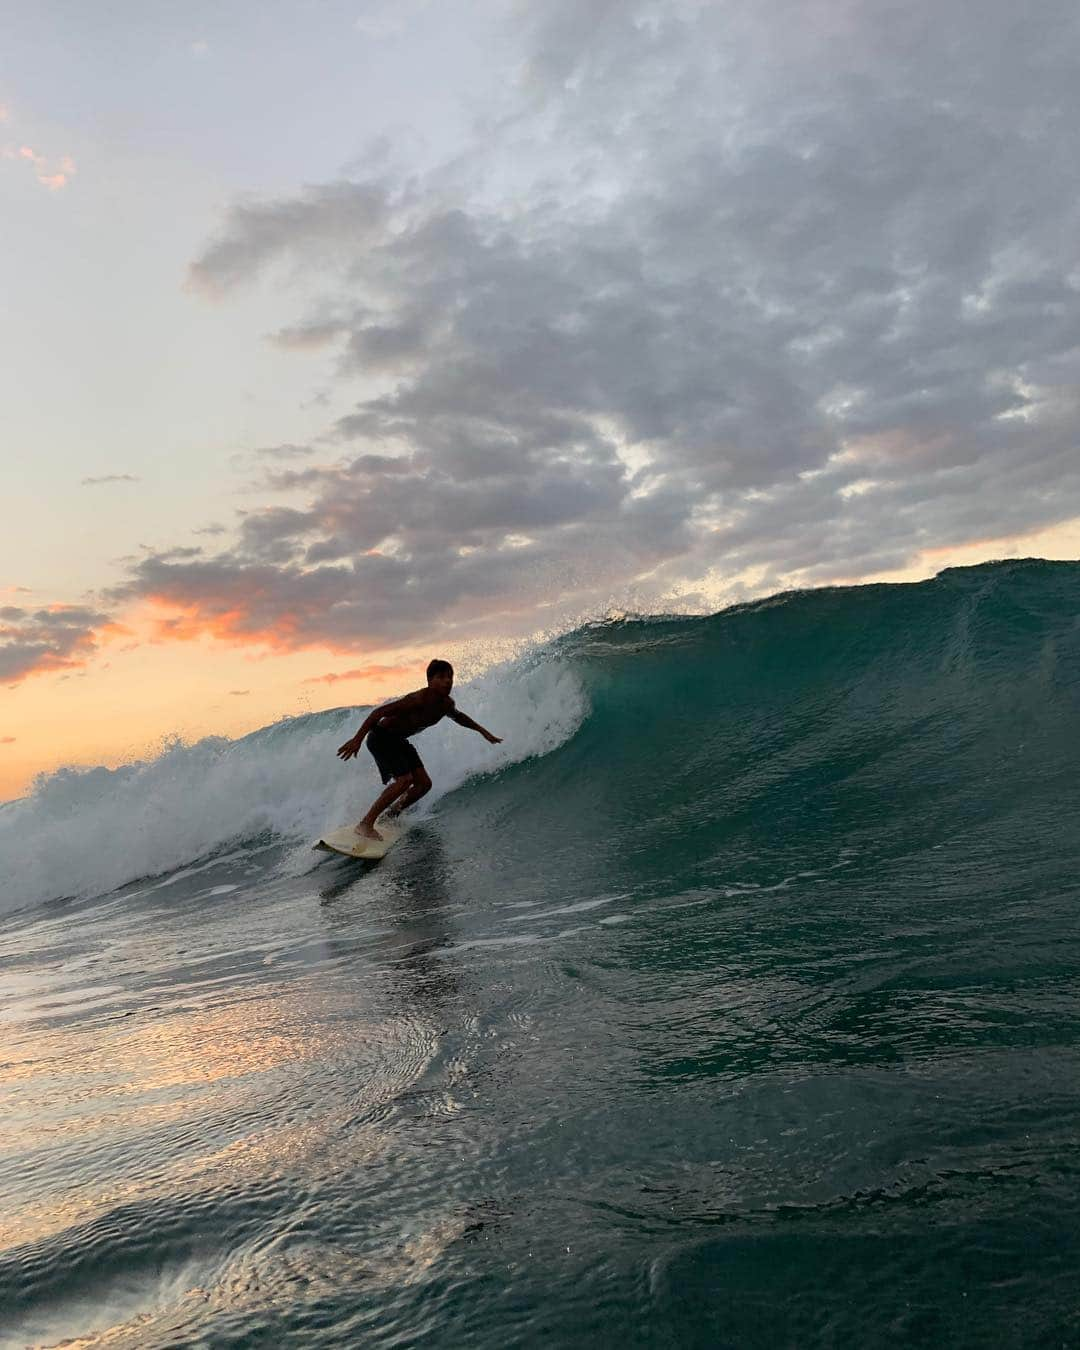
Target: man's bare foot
[[366, 831]]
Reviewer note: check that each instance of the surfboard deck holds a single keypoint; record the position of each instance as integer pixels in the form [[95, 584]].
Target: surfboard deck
[[350, 845]]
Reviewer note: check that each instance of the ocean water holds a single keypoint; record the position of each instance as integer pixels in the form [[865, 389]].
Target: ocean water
[[733, 1001]]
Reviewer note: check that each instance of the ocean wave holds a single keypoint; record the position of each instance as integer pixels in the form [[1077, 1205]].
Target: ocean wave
[[841, 717]]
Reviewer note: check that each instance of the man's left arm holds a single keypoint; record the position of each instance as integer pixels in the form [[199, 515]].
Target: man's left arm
[[464, 720]]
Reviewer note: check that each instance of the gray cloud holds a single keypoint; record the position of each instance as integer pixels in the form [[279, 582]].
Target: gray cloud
[[287, 450], [319, 227], [308, 337], [798, 292], [111, 478]]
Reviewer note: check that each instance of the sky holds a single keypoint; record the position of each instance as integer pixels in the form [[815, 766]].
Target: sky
[[339, 335]]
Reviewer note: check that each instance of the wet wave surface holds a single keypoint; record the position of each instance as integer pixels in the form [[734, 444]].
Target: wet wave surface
[[747, 1013]]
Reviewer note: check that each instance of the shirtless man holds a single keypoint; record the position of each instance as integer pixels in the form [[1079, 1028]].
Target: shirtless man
[[388, 730]]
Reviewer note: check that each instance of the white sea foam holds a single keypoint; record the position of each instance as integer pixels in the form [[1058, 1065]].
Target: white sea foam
[[86, 831]]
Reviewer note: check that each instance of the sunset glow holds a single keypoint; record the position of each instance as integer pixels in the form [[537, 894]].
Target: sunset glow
[[302, 397]]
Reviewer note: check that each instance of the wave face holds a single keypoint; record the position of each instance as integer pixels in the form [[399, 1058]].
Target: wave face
[[818, 725], [813, 725]]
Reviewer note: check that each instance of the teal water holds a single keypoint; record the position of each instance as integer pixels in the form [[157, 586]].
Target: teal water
[[742, 1011]]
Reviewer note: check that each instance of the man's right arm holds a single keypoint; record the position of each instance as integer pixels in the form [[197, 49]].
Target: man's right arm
[[352, 747]]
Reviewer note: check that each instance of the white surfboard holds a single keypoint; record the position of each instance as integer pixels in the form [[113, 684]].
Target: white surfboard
[[352, 845]]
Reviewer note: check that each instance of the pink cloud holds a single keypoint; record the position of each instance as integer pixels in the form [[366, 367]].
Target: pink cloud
[[53, 174], [360, 673]]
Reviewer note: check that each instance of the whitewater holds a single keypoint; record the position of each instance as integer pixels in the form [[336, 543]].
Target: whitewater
[[733, 1000], [85, 832]]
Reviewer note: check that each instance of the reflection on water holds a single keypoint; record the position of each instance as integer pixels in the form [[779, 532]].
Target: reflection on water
[[287, 1068], [415, 901]]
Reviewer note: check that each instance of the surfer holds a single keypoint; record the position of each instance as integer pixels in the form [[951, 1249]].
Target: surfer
[[388, 730]]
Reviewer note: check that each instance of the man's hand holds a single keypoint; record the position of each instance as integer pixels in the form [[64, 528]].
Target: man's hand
[[495, 740], [350, 748]]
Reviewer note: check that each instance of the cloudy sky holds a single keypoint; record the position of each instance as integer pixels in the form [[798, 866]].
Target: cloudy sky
[[341, 333]]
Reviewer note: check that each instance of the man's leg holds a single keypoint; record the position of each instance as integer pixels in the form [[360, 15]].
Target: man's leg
[[421, 784], [398, 788]]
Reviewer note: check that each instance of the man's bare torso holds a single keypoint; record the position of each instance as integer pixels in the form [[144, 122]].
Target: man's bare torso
[[422, 708]]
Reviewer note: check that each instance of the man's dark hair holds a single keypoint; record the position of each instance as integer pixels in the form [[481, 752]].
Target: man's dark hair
[[438, 667]]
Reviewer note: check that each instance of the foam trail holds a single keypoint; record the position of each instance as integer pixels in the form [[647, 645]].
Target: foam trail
[[85, 832]]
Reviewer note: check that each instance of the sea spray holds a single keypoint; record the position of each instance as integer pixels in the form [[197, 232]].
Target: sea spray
[[83, 832]]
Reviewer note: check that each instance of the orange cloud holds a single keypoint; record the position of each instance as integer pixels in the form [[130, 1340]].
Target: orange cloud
[[226, 625], [368, 609], [249, 606]]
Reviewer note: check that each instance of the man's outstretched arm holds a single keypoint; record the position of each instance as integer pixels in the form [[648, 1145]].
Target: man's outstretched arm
[[464, 720]]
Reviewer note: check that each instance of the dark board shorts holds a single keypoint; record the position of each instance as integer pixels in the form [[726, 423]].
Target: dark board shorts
[[392, 753]]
